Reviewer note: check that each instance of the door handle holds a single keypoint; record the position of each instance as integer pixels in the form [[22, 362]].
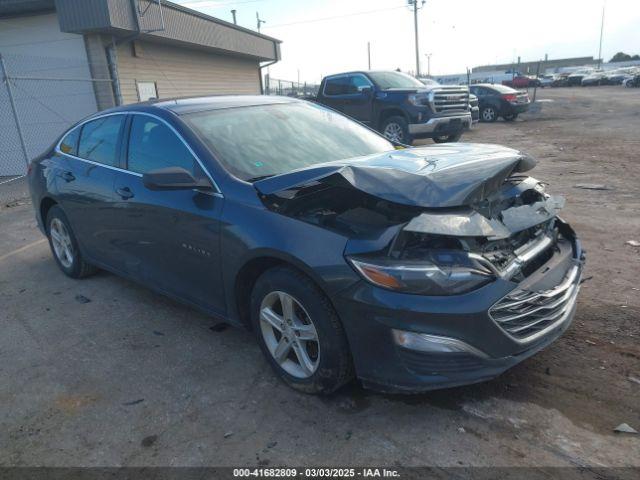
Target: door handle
[[68, 176], [125, 193]]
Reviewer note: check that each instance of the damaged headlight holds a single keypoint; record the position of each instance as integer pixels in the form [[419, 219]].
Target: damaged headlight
[[441, 273]]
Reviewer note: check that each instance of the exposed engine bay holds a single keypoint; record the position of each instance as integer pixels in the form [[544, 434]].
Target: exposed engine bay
[[508, 224]]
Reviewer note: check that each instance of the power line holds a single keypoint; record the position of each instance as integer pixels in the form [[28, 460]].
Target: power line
[[334, 17]]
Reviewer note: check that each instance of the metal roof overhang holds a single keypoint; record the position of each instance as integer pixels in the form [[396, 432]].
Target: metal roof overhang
[[171, 23]]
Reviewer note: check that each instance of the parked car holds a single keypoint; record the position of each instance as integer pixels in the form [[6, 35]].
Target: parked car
[[632, 82], [499, 101], [521, 81], [594, 78], [576, 77], [618, 76], [399, 106], [475, 109], [412, 269], [546, 80]]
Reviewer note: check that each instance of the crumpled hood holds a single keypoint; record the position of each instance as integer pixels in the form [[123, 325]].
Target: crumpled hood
[[451, 175]]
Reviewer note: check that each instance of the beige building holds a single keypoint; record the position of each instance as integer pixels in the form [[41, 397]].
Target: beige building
[[66, 59]]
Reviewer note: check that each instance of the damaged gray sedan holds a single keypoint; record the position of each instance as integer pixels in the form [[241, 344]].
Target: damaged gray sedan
[[410, 269]]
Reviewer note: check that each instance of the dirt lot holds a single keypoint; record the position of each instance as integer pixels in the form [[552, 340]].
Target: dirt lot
[[132, 378]]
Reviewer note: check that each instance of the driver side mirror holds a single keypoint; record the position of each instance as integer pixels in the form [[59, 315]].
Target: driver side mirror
[[365, 91], [173, 178]]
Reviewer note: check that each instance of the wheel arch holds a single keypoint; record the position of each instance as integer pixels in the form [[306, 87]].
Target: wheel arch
[[45, 205], [251, 270], [391, 112]]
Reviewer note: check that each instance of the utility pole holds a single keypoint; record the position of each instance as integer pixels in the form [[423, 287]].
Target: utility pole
[[233, 12], [369, 54], [258, 21], [415, 27], [601, 32]]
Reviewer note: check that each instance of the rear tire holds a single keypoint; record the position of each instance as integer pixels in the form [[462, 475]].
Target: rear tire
[[304, 342], [448, 138], [488, 114], [64, 245], [396, 129]]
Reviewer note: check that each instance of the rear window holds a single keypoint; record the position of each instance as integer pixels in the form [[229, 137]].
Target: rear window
[[502, 89], [337, 86], [99, 140]]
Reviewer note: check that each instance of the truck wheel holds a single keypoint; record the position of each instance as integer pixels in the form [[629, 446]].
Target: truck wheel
[[510, 117], [488, 114], [396, 129], [448, 138]]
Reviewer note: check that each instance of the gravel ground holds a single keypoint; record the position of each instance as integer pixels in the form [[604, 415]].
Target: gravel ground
[[132, 378]]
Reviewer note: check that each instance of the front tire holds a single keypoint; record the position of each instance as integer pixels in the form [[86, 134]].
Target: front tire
[[64, 245], [299, 332], [396, 129], [510, 117], [488, 114]]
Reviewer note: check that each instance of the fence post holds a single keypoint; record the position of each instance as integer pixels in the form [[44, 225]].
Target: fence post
[[16, 118]]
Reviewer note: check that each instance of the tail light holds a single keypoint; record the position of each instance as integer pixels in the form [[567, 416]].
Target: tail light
[[510, 97]]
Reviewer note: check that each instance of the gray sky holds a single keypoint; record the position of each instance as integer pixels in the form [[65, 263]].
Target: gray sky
[[327, 36]]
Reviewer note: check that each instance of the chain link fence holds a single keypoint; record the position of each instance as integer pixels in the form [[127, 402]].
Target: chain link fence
[[39, 98], [288, 88]]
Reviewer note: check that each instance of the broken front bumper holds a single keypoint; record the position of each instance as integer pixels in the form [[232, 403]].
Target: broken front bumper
[[466, 340]]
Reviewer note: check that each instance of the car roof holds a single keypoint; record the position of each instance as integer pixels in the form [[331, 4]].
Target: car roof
[[185, 105]]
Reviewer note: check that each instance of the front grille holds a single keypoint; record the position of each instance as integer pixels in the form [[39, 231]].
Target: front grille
[[527, 315], [450, 100]]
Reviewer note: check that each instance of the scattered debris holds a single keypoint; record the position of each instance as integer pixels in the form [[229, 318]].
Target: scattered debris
[[82, 299], [348, 435], [148, 441], [219, 327], [271, 444], [625, 428], [633, 243], [160, 334], [547, 371], [461, 430], [633, 379], [228, 434], [133, 402], [577, 172], [586, 279], [590, 342], [591, 186]]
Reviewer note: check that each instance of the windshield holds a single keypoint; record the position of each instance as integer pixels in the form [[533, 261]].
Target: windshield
[[264, 140], [387, 80]]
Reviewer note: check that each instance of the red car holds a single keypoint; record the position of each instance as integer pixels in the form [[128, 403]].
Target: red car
[[521, 81]]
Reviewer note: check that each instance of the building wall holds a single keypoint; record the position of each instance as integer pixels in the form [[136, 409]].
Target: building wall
[[180, 72], [48, 101]]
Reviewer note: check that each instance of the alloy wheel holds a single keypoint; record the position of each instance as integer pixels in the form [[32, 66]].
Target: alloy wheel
[[488, 114], [61, 241], [289, 334], [393, 132]]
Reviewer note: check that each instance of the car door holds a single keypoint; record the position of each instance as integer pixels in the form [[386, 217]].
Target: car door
[[90, 155], [359, 99], [169, 240]]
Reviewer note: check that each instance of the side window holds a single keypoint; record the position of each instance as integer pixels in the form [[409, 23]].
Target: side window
[[69, 143], [356, 82], [153, 145], [337, 86], [99, 140]]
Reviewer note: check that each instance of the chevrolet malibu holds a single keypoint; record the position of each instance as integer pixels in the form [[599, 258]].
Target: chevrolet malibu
[[410, 269]]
